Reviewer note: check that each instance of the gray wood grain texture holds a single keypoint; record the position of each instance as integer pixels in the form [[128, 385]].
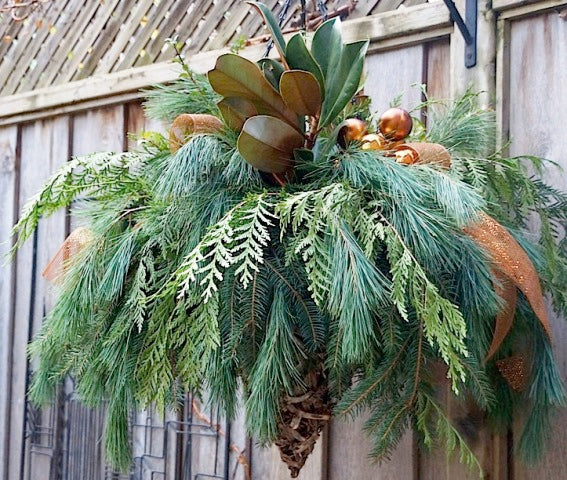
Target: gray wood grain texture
[[537, 117], [43, 150], [349, 454], [394, 73], [8, 206]]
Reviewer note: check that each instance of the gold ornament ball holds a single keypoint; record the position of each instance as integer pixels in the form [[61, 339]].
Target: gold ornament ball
[[352, 129], [395, 124]]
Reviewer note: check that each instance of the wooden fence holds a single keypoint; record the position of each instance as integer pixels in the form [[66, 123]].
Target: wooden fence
[[66, 40], [522, 67]]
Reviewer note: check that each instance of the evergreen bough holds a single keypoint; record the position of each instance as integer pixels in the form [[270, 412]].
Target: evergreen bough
[[201, 275]]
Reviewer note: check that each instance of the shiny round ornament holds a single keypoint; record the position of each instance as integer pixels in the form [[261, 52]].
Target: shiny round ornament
[[395, 124], [352, 129]]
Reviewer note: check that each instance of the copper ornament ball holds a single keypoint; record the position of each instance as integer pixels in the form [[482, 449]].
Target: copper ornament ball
[[352, 129], [395, 124]]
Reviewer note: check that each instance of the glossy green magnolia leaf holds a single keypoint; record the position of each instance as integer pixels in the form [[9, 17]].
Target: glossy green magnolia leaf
[[303, 155], [273, 26], [272, 70], [343, 81], [301, 92], [235, 76], [236, 110], [327, 47], [300, 58], [267, 143]]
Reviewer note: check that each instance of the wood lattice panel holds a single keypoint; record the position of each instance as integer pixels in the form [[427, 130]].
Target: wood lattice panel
[[68, 40]]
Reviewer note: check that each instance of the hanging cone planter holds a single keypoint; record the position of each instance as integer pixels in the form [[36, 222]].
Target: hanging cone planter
[[280, 230], [303, 418]]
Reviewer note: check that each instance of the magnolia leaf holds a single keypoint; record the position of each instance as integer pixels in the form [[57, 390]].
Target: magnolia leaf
[[273, 26], [344, 81], [300, 58], [235, 76], [327, 47], [236, 110], [267, 143], [272, 70], [303, 155], [301, 92]]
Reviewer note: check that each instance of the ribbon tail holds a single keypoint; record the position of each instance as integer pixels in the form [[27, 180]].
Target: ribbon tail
[[505, 318], [512, 261], [73, 244]]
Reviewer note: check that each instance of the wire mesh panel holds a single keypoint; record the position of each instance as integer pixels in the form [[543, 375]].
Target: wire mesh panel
[[66, 442]]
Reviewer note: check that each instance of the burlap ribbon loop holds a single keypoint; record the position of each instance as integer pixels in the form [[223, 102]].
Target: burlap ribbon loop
[[73, 244]]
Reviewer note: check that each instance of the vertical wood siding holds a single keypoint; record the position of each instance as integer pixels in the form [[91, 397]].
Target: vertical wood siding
[[537, 119]]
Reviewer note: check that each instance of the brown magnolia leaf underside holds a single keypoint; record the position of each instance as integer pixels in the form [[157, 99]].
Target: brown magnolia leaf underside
[[267, 143], [235, 111], [235, 76], [301, 92]]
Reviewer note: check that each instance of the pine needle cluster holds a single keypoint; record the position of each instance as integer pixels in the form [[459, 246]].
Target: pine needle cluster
[[202, 275]]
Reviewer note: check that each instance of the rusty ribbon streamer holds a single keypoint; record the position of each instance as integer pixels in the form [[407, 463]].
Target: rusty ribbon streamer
[[515, 371], [512, 268], [512, 261], [506, 290], [73, 244]]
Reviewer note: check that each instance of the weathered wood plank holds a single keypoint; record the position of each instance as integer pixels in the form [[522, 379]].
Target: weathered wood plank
[[537, 113], [349, 455], [58, 47], [15, 66], [427, 17], [108, 123], [394, 73], [100, 44], [482, 77], [8, 212], [525, 5], [84, 43], [132, 50], [431, 17], [131, 23], [32, 293], [438, 73], [53, 135]]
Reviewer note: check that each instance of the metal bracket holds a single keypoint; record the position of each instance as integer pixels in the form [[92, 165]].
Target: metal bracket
[[467, 28]]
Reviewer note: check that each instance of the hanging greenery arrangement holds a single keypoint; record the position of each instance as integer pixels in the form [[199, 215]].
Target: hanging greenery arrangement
[[284, 244]]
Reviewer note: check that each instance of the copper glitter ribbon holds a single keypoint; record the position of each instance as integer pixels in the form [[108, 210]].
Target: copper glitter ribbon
[[506, 290], [512, 266], [73, 244], [515, 371], [513, 262]]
